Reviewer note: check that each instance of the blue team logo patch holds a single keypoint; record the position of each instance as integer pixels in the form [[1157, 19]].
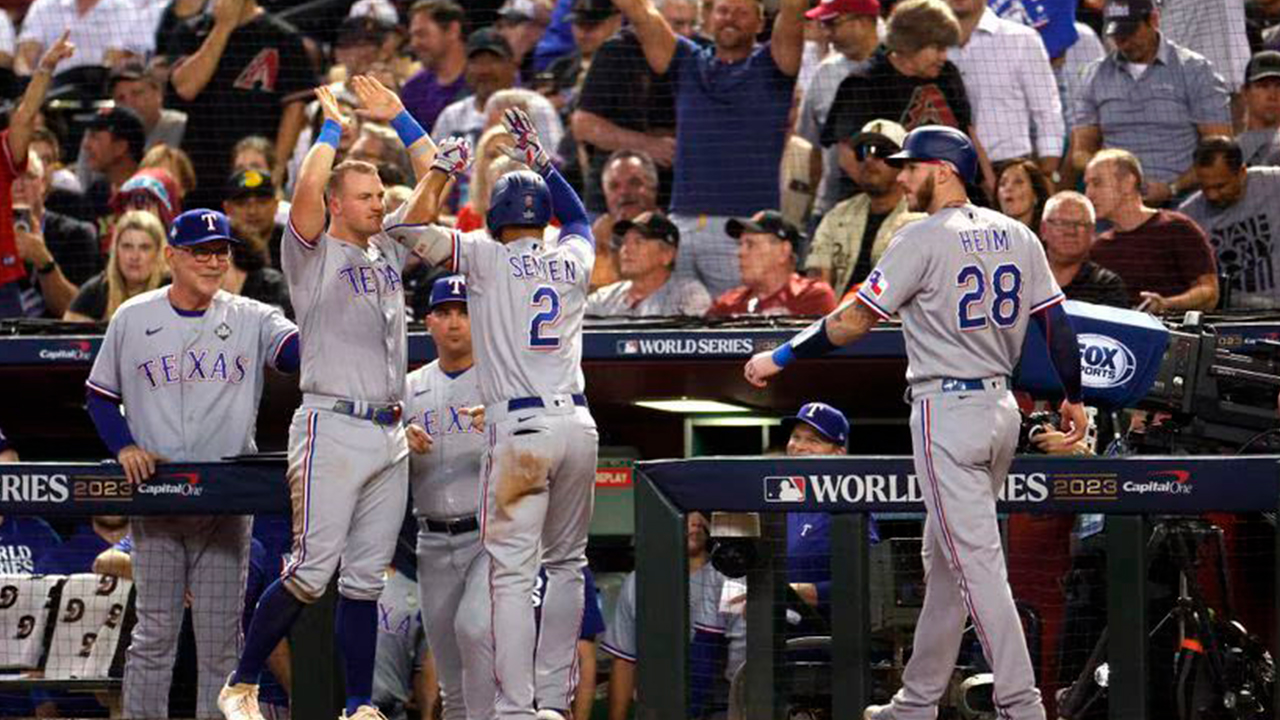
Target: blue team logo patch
[[877, 283], [785, 489]]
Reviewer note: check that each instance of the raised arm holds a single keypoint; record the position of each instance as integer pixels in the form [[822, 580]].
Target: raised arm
[[787, 43], [24, 117], [656, 36], [193, 72], [380, 104], [415, 229], [565, 203], [307, 213]]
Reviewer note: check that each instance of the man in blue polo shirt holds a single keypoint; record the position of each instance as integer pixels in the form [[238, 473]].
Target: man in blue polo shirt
[[732, 102]]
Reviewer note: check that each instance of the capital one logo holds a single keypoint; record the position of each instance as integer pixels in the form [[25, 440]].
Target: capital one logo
[[1104, 361]]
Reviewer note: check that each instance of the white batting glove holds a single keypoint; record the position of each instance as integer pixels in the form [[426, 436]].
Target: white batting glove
[[453, 156], [528, 146]]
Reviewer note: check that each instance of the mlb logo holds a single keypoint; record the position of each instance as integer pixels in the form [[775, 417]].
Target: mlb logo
[[628, 347], [780, 489], [877, 282], [528, 207]]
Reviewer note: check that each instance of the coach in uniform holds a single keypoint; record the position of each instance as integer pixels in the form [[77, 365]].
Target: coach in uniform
[[966, 282], [185, 362]]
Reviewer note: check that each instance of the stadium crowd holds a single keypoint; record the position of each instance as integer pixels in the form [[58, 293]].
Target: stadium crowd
[[731, 153]]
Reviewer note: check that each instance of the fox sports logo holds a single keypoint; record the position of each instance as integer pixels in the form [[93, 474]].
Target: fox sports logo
[[1105, 362]]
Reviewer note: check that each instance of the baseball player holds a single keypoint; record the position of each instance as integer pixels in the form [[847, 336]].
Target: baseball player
[[966, 281], [444, 472], [526, 302], [185, 363], [348, 457]]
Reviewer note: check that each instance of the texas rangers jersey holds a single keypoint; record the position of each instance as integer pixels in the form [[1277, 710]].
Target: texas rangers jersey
[[349, 303], [526, 300], [189, 382], [445, 481], [964, 281]]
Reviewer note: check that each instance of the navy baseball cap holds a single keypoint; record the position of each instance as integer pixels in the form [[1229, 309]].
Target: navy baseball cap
[[1124, 17], [200, 226], [450, 288], [828, 421]]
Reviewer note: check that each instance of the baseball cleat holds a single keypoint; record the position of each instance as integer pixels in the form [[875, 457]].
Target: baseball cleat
[[364, 712], [877, 712], [552, 714], [239, 701]]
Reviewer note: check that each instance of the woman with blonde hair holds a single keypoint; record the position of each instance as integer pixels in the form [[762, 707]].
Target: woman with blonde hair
[[488, 155], [178, 164], [136, 265]]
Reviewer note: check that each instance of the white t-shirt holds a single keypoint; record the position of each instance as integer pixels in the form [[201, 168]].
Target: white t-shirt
[[8, 44], [109, 25]]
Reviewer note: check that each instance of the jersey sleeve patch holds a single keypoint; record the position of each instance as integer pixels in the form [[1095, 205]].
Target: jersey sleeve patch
[[862, 296]]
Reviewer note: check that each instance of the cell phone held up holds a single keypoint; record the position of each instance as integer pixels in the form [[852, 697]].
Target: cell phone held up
[[23, 220]]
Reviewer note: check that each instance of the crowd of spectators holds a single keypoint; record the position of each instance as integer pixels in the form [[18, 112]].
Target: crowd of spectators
[[690, 129]]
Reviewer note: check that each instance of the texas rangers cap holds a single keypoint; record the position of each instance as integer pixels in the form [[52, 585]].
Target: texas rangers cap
[[1123, 17], [200, 226], [1262, 65], [488, 40], [828, 421], [828, 9], [250, 183], [765, 221], [450, 288], [653, 225], [884, 132]]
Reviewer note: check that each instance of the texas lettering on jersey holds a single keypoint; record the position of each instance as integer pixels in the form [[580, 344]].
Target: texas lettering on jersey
[[370, 280], [446, 421], [198, 365]]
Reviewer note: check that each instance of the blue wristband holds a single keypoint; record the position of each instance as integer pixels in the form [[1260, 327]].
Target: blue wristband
[[783, 355], [330, 133], [407, 128]]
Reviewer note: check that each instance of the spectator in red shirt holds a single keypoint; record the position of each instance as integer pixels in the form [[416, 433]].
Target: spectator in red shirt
[[14, 143], [767, 259], [1163, 257]]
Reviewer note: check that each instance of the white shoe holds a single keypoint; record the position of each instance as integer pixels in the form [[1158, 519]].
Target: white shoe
[[239, 701], [876, 712], [550, 714], [364, 712]]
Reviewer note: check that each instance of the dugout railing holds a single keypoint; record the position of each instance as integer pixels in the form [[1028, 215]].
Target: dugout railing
[[1128, 491]]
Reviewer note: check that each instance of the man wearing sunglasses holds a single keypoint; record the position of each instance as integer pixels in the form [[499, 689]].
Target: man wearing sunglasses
[[855, 233], [850, 26], [186, 362]]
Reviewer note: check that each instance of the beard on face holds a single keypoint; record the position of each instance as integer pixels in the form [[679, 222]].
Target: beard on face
[[922, 198]]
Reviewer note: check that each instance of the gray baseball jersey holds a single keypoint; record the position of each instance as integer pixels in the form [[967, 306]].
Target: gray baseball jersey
[[445, 481], [190, 385], [677, 296], [964, 281], [526, 301], [350, 306], [710, 671]]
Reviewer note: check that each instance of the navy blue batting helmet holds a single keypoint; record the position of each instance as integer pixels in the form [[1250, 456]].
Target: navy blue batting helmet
[[939, 142], [518, 198]]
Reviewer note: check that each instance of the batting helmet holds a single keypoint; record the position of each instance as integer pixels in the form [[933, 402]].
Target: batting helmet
[[519, 198], [939, 142]]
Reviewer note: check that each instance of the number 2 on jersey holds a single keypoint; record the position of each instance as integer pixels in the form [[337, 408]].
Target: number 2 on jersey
[[1006, 285], [548, 300]]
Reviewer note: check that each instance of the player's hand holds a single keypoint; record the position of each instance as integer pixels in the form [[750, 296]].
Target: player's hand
[[329, 106], [1154, 303], [477, 416], [453, 157], [138, 464], [419, 439], [377, 102], [760, 368], [1074, 422], [61, 49], [528, 146], [1054, 442]]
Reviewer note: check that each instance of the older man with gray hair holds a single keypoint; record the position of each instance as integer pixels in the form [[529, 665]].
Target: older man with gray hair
[[1067, 229], [647, 247]]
